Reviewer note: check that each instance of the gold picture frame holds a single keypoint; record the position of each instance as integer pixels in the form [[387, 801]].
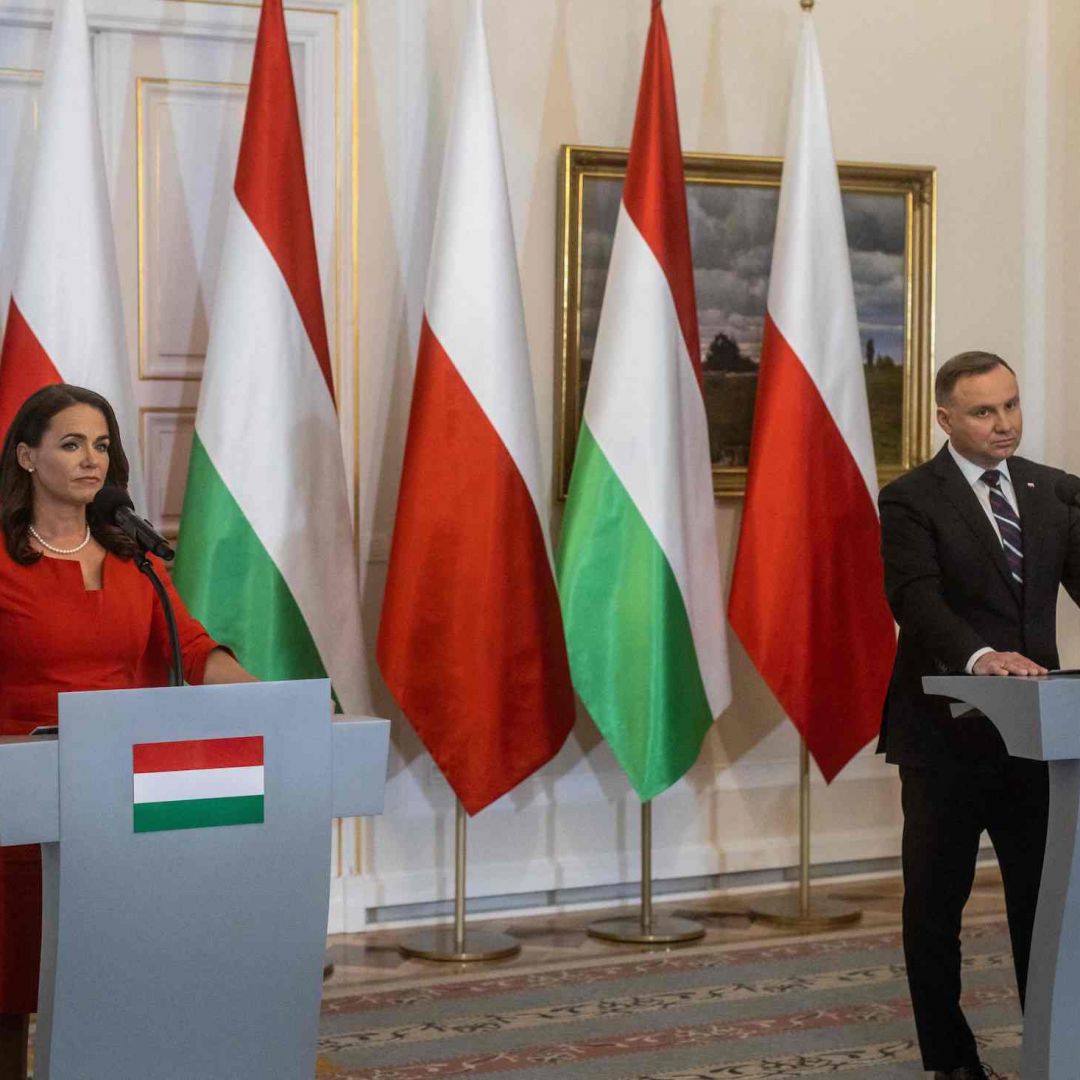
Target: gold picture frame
[[891, 212]]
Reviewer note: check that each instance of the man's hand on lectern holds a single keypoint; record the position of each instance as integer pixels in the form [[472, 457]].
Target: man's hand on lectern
[[1006, 663]]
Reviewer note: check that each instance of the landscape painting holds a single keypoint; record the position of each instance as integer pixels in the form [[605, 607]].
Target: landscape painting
[[732, 222]]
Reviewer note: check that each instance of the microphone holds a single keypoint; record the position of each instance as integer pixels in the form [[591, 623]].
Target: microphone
[[1067, 489], [113, 505]]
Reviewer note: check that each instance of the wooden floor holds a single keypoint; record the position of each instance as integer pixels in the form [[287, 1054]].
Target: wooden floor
[[372, 958]]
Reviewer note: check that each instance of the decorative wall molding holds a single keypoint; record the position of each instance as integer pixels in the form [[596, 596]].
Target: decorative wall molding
[[182, 209], [166, 436]]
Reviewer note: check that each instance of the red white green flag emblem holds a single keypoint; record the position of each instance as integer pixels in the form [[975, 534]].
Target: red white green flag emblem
[[198, 783]]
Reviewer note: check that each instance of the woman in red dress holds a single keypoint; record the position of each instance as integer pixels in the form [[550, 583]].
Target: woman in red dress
[[75, 614]]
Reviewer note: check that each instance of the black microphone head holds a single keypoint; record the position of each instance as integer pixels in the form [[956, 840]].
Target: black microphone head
[[1067, 488], [110, 499]]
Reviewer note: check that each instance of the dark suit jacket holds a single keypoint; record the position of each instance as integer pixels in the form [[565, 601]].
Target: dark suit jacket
[[950, 590]]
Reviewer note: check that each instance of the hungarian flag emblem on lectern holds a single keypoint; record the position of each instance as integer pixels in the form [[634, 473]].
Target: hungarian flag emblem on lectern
[[198, 783]]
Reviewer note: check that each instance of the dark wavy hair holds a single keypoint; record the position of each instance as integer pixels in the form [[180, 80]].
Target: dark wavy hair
[[16, 487]]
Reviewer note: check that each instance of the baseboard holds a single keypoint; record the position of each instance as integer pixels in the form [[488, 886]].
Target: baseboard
[[357, 902]]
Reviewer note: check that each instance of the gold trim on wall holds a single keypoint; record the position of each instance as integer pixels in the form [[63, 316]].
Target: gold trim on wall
[[916, 183], [354, 219], [335, 359], [354, 238], [23, 74]]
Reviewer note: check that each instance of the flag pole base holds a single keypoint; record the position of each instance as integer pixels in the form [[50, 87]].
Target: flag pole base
[[442, 945], [661, 930], [788, 912]]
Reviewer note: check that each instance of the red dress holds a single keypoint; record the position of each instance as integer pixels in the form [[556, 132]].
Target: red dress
[[57, 636]]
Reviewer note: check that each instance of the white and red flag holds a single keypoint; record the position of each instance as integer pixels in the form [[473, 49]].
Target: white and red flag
[[65, 322], [807, 598], [471, 641]]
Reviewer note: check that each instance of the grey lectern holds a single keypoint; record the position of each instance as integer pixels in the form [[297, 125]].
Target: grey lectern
[[1039, 718], [185, 839]]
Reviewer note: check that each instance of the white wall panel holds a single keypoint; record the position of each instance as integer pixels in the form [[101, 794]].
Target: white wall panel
[[189, 135], [166, 436]]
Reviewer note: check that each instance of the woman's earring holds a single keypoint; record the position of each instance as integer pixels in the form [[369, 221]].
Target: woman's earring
[[29, 468]]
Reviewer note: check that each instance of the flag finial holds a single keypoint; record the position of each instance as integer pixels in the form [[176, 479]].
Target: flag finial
[[806, 5]]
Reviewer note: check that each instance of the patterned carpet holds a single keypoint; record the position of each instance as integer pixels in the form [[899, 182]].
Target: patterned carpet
[[791, 1007]]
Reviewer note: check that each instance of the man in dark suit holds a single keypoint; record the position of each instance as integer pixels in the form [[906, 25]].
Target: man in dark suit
[[975, 544]]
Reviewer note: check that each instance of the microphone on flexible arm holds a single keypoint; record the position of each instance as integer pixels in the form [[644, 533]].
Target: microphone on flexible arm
[[1067, 489], [113, 504]]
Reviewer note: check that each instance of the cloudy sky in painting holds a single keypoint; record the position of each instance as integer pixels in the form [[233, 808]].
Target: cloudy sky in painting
[[731, 230]]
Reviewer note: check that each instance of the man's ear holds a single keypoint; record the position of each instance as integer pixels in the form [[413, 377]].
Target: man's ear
[[942, 415]]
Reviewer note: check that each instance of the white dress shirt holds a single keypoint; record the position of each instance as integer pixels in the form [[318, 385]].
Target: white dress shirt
[[973, 474]]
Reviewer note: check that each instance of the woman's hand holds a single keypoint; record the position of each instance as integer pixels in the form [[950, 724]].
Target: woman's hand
[[222, 667]]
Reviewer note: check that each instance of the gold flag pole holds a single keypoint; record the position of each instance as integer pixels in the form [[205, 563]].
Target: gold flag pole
[[801, 911], [646, 928], [454, 945]]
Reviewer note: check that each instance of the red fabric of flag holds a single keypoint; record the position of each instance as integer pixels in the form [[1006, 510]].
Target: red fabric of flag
[[470, 641], [807, 597]]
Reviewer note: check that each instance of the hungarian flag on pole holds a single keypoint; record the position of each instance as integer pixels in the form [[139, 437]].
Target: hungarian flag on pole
[[807, 598], [266, 558], [65, 322], [639, 570], [470, 642]]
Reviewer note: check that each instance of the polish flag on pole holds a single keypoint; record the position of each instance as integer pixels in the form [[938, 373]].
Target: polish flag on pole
[[639, 568], [471, 642], [65, 322], [266, 559], [807, 598]]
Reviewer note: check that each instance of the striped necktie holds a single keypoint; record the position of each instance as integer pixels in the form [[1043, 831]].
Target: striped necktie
[[1008, 523]]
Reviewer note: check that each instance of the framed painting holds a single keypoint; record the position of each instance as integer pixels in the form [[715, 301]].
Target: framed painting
[[890, 213]]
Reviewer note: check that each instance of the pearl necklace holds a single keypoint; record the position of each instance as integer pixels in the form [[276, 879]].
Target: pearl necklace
[[60, 551]]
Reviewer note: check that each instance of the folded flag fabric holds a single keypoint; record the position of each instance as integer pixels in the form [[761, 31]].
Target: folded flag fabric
[[638, 564], [198, 783], [807, 593], [266, 558], [470, 640]]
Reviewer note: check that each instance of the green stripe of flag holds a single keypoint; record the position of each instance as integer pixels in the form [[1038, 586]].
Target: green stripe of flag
[[632, 654], [233, 587], [198, 813]]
